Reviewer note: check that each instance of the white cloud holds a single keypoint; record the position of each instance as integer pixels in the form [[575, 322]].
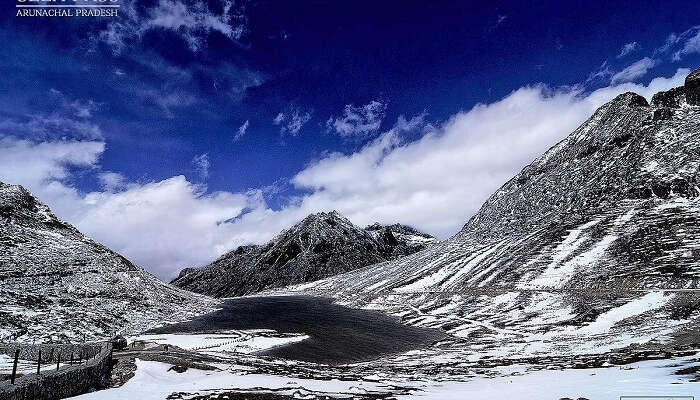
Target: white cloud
[[111, 181], [434, 183], [691, 45], [161, 225], [67, 118], [438, 181], [193, 22], [358, 121], [51, 127], [42, 166], [628, 49], [291, 120], [635, 70], [603, 72], [79, 107], [681, 45], [201, 164], [241, 131]]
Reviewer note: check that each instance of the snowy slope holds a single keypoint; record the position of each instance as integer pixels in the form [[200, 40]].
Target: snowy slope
[[321, 245], [57, 284], [594, 246]]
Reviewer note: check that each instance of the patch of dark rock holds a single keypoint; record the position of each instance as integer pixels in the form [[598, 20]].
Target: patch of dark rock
[[119, 343], [688, 371], [621, 140], [123, 369], [631, 99], [692, 87], [591, 149], [662, 114], [179, 368], [569, 398], [684, 305], [451, 325], [669, 98]]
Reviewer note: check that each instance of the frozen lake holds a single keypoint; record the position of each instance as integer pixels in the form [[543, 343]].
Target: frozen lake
[[337, 334]]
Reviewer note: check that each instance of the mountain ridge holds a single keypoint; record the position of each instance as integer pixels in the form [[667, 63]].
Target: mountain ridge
[[59, 285], [320, 245], [594, 246]]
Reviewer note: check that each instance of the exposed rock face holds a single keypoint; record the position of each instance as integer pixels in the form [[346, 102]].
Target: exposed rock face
[[692, 87], [688, 94], [321, 245], [399, 240], [57, 284], [593, 246]]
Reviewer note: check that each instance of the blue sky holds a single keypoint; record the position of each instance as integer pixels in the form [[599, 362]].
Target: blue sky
[[255, 113]]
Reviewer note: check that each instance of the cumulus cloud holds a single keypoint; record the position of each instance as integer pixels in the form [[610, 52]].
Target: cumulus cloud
[[42, 166], [358, 121], [628, 49], [635, 70], [434, 183], [201, 164], [437, 182], [291, 120], [161, 225], [241, 131]]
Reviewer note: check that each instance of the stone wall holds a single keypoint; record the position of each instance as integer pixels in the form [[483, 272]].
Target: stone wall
[[68, 381], [51, 351]]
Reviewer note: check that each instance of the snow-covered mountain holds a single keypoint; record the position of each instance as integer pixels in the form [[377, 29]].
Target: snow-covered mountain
[[57, 284], [321, 245], [594, 246]]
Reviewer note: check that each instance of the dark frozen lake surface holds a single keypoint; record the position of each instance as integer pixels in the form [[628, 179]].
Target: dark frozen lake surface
[[338, 334]]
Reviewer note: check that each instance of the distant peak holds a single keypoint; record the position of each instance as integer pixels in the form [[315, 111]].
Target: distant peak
[[630, 99], [324, 215], [15, 198], [693, 78], [692, 88], [689, 93]]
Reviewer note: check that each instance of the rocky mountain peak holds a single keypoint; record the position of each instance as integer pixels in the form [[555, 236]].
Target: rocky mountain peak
[[692, 88], [320, 245], [19, 207], [688, 94], [594, 245], [629, 99], [627, 150], [322, 220]]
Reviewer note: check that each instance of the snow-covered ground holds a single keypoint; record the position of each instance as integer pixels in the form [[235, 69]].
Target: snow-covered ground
[[154, 380], [23, 366], [234, 341], [647, 378]]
